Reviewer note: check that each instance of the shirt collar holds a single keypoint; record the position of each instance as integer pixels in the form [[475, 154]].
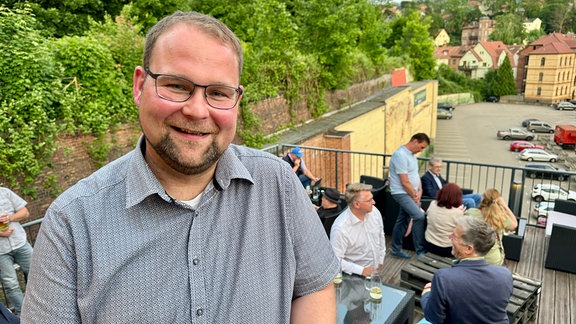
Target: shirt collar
[[141, 182]]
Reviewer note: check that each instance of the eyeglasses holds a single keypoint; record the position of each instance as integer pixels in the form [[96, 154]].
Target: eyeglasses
[[369, 200], [177, 89]]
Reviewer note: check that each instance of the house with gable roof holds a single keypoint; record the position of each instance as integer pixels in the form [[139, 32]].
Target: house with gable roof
[[442, 38], [450, 55], [546, 69], [483, 57]]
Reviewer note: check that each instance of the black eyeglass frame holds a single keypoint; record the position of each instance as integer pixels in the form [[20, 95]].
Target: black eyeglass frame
[[156, 75]]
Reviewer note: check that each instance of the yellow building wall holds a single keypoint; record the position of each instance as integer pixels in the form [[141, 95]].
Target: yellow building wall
[[386, 128], [557, 78]]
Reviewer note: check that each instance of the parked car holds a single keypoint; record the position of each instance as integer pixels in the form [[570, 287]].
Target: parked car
[[492, 99], [537, 155], [551, 192], [515, 133], [444, 114], [545, 170], [518, 146], [540, 211], [565, 105], [445, 105], [525, 122], [540, 127]]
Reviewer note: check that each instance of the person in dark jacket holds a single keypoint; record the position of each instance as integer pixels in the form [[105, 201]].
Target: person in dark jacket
[[294, 158], [330, 208], [473, 291], [6, 316]]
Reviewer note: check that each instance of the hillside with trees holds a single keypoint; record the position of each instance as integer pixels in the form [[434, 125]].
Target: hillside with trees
[[76, 78]]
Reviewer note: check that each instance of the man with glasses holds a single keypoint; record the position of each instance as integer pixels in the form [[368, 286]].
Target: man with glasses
[[357, 235], [472, 291], [187, 228], [432, 182]]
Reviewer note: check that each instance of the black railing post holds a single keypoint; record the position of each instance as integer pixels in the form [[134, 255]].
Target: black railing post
[[515, 198]]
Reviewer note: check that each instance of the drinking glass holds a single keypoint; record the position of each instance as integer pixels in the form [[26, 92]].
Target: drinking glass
[[338, 278], [3, 226], [374, 285]]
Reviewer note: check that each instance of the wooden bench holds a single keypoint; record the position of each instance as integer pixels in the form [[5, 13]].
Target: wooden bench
[[523, 303]]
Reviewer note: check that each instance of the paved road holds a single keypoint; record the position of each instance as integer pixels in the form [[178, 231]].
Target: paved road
[[470, 135]]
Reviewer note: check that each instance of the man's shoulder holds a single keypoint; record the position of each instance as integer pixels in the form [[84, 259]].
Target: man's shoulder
[[107, 176], [426, 176], [244, 153]]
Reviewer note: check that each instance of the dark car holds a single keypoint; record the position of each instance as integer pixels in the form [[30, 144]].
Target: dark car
[[545, 170], [445, 105], [492, 99]]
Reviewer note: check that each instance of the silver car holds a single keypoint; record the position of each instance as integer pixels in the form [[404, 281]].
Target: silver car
[[444, 114], [537, 155]]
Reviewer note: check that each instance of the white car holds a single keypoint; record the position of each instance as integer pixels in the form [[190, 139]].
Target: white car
[[541, 209], [551, 192], [537, 155]]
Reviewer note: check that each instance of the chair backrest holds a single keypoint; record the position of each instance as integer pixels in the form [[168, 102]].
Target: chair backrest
[[565, 206], [560, 254], [377, 183]]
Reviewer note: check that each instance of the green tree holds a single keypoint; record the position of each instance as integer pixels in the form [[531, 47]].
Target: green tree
[[532, 8], [509, 29], [410, 39], [68, 17], [504, 80], [30, 91], [555, 15]]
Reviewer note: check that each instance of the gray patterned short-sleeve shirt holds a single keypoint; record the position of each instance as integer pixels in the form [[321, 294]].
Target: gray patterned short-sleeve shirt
[[115, 248]]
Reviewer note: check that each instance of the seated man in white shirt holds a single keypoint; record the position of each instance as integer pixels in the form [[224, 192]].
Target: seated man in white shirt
[[357, 235], [432, 182]]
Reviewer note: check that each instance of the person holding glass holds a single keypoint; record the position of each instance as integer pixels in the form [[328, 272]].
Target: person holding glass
[[442, 215], [357, 235], [14, 246]]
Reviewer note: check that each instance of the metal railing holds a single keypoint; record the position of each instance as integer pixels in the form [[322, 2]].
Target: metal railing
[[340, 167]]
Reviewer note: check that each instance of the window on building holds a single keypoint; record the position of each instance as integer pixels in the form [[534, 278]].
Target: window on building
[[561, 61], [453, 61], [539, 91], [543, 61], [540, 76]]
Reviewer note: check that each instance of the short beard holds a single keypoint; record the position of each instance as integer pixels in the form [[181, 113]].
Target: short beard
[[168, 151]]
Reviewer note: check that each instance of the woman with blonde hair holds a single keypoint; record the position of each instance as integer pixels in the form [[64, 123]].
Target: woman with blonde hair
[[495, 212]]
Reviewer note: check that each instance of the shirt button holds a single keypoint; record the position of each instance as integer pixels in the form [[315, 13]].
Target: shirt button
[[199, 312], [195, 261]]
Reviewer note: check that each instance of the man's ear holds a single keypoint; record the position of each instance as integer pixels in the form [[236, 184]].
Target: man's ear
[[138, 84]]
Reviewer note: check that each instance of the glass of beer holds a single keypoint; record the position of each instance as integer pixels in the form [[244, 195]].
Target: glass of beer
[[3, 216]]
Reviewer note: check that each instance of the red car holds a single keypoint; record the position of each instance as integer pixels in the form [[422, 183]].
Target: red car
[[519, 146]]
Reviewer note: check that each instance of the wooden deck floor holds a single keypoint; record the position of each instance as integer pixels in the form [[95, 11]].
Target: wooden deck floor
[[557, 304]]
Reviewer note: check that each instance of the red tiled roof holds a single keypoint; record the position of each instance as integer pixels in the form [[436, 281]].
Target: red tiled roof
[[553, 48], [569, 40], [496, 48]]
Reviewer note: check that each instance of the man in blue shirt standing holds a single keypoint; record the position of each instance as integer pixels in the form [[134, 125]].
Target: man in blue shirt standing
[[406, 190]]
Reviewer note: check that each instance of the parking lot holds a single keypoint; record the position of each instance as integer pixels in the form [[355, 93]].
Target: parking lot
[[471, 135]]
